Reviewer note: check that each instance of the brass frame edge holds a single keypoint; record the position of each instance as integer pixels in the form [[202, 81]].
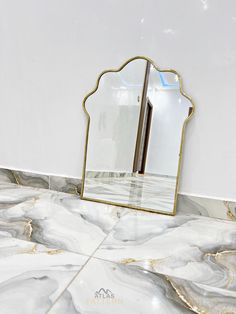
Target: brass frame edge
[[181, 143]]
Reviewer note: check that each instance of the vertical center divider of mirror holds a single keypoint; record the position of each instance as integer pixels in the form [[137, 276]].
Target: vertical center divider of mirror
[[141, 118]]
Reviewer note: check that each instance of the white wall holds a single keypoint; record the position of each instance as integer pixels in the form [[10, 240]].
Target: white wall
[[52, 51]]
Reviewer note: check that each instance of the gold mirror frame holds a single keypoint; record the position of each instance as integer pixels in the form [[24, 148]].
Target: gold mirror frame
[[181, 143]]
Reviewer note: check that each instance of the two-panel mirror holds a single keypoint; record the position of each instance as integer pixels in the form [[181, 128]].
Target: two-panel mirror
[[136, 120]]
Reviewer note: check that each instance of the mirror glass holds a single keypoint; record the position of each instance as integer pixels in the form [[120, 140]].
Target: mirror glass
[[136, 117]]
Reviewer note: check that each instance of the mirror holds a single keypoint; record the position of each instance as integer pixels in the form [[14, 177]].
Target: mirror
[[136, 120]]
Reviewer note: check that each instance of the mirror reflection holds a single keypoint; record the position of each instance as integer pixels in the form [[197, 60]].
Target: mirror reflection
[[136, 119]]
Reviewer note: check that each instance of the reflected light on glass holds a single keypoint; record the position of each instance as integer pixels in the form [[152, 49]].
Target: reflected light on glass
[[155, 302], [146, 264], [152, 68], [169, 31], [204, 4]]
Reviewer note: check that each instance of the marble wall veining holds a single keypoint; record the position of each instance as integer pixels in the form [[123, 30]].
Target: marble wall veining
[[64, 184], [52, 182], [205, 206], [186, 204], [24, 178]]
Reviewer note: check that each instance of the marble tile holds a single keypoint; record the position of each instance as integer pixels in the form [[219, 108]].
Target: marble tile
[[56, 219], [14, 194], [66, 185], [104, 287], [33, 276], [204, 299], [195, 248], [107, 174], [231, 206], [32, 179], [206, 207], [7, 176], [180, 264]]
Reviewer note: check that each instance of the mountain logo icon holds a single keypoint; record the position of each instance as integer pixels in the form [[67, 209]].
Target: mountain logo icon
[[104, 294]]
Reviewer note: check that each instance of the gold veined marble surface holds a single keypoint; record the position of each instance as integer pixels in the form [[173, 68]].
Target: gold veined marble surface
[[59, 254]]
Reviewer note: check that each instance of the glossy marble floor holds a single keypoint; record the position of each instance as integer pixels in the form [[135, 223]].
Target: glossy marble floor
[[137, 190], [61, 255]]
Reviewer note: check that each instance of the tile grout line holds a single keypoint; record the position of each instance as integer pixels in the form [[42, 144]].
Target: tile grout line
[[92, 256], [85, 264]]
